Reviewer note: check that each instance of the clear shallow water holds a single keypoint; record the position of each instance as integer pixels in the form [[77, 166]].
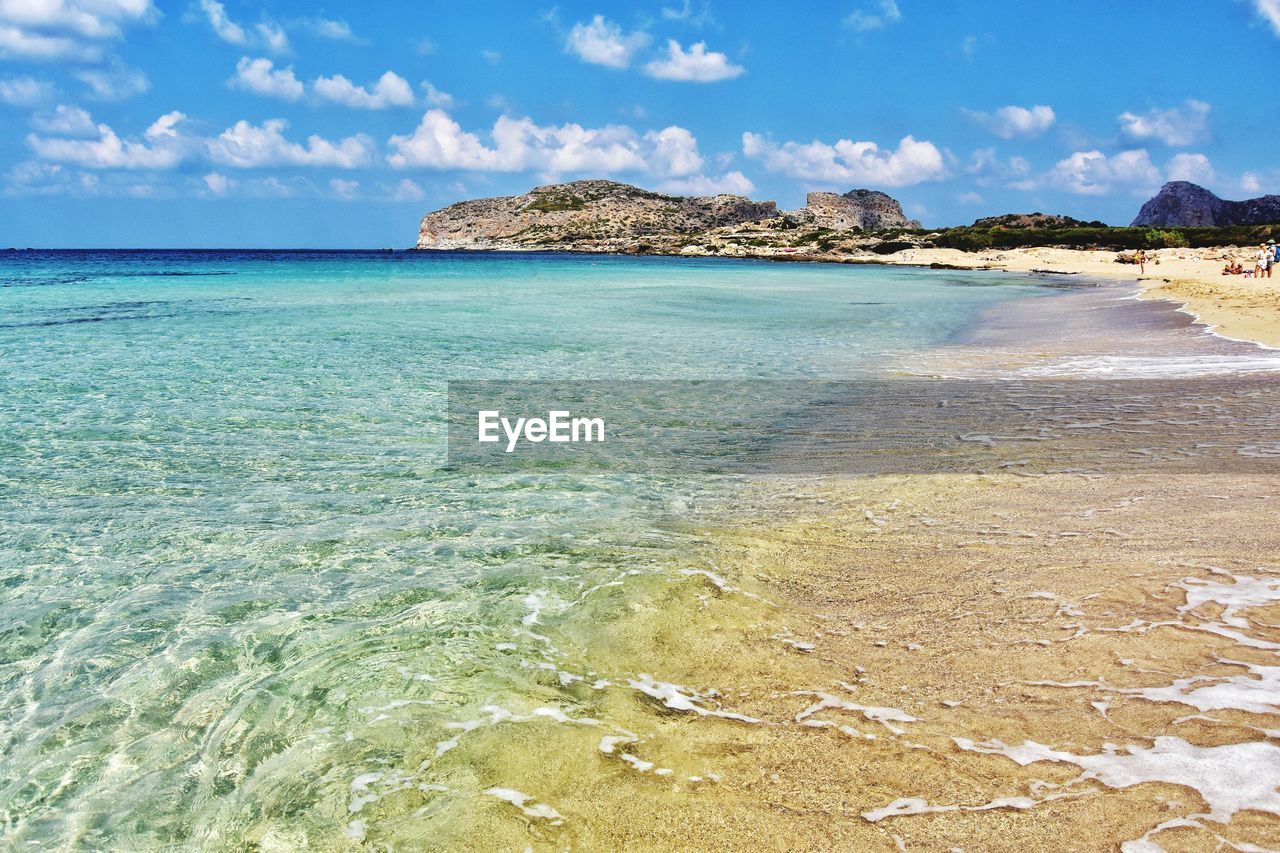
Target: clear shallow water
[[234, 582]]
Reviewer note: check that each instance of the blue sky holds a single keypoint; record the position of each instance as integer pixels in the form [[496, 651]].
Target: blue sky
[[207, 123]]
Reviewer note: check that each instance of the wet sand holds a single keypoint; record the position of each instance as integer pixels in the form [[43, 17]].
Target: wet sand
[[905, 631], [987, 661]]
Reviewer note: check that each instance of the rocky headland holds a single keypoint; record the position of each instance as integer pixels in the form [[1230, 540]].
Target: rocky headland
[[606, 216], [1184, 204]]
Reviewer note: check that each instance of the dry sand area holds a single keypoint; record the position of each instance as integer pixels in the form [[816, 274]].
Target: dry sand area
[[1240, 308]]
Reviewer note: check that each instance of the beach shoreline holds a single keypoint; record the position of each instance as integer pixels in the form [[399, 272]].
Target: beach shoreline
[[1233, 307]]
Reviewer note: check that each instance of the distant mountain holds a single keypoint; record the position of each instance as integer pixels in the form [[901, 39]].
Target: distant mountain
[[1182, 203], [1034, 220]]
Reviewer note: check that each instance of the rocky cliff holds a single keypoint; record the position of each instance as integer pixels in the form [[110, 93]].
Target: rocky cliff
[[1181, 203], [865, 209], [585, 215]]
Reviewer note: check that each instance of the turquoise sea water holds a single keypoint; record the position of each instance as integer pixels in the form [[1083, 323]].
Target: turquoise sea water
[[240, 601]]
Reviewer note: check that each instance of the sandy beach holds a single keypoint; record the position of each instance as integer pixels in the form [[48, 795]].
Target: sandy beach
[[1235, 307]]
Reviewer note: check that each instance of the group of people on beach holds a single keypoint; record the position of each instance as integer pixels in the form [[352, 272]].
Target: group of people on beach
[[1264, 262]]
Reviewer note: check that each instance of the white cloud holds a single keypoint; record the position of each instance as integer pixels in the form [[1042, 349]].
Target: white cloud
[[1014, 121], [245, 146], [1094, 173], [344, 189], [970, 198], [987, 168], [273, 187], [913, 162], [407, 190], [51, 29], [25, 91], [697, 65], [674, 151], [436, 98], [65, 121], [1097, 174], [1176, 126], [16, 42], [391, 90], [226, 29], [36, 178], [492, 57], [732, 183], [1249, 183], [261, 77], [518, 145], [439, 142], [266, 34], [687, 15], [1190, 167], [114, 83], [1269, 11], [603, 42], [162, 147], [163, 127], [217, 183], [874, 15], [333, 30], [273, 37]]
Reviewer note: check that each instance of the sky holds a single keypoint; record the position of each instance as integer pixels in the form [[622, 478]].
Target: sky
[[222, 123]]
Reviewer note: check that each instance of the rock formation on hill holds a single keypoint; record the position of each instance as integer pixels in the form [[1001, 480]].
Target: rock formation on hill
[[865, 209], [1181, 203]]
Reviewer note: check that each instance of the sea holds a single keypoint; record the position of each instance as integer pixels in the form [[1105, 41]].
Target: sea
[[246, 600]]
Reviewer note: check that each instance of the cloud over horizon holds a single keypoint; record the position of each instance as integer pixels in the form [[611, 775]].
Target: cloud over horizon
[[912, 162]]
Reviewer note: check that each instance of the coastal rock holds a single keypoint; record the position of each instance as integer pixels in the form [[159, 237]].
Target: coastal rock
[[866, 209], [581, 214], [1181, 203]]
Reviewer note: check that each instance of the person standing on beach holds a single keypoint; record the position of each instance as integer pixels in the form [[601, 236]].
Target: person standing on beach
[[1273, 258], [1262, 264], [1140, 258]]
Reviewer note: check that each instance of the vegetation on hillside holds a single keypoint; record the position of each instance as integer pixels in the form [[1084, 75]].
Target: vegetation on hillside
[[1095, 236]]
